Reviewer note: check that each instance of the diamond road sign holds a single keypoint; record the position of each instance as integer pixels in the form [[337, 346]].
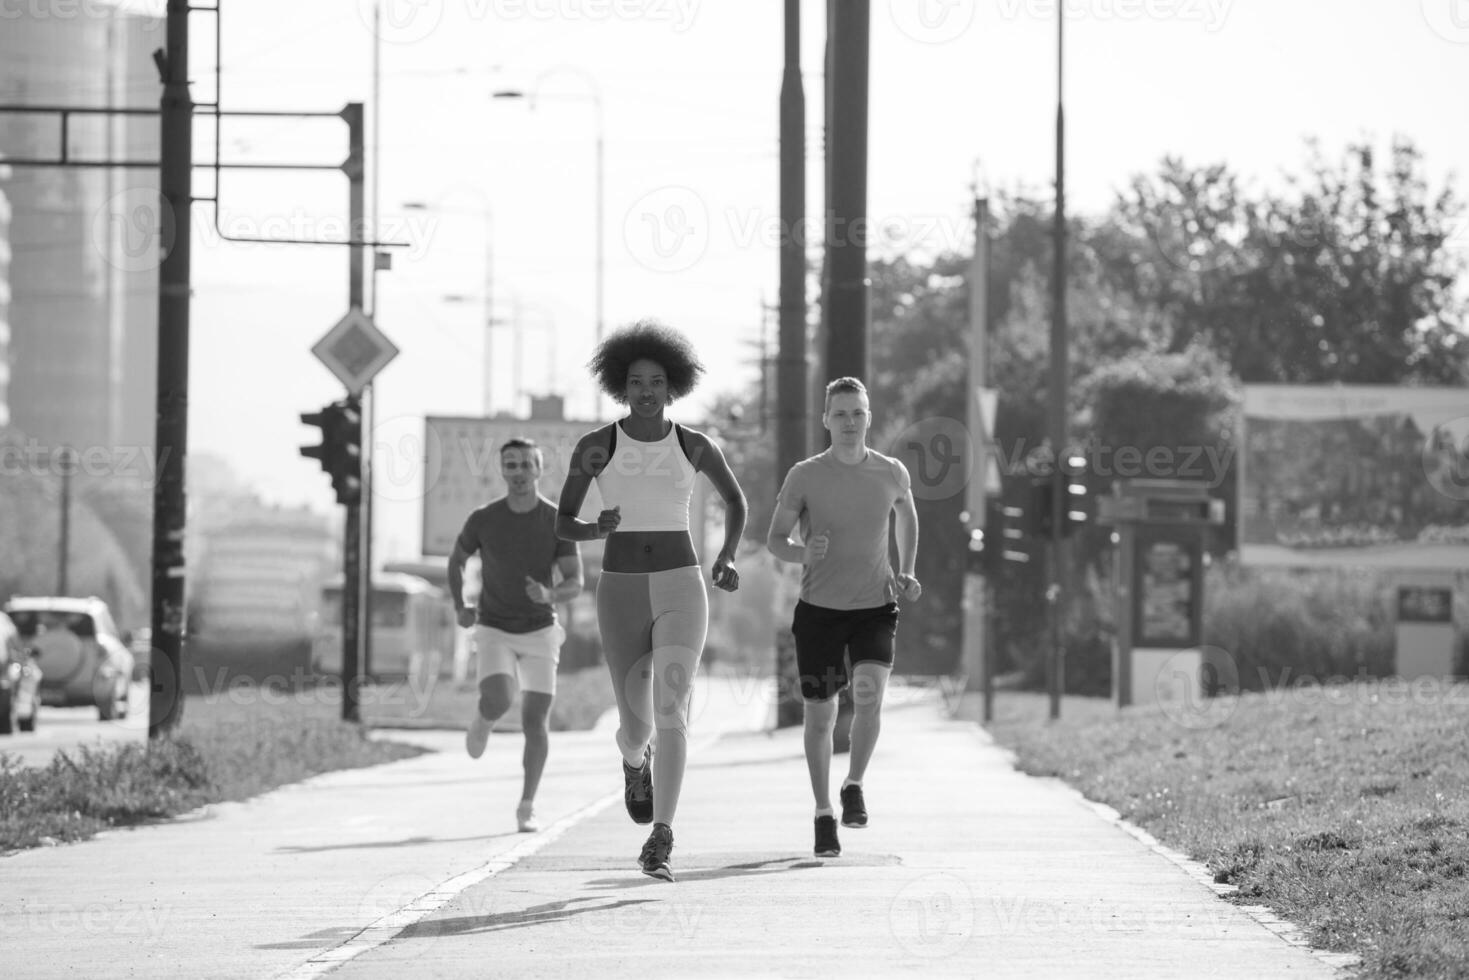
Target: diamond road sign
[[355, 350]]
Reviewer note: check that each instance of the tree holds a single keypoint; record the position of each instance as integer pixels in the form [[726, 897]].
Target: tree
[[1347, 276]]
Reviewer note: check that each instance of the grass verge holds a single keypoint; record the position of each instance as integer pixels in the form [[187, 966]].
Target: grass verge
[[1342, 808], [239, 742]]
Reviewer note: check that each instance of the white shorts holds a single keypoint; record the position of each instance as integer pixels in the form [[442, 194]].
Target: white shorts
[[530, 657]]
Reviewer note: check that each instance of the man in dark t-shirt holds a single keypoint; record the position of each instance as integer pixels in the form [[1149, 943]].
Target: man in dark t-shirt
[[516, 636]]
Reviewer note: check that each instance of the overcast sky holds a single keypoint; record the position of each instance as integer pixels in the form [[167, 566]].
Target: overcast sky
[[689, 96]]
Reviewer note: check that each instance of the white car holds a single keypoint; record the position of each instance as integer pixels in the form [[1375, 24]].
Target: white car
[[82, 657]]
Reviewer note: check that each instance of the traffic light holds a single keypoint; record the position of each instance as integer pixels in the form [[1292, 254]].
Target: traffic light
[[347, 474], [340, 452], [999, 541], [1076, 509]]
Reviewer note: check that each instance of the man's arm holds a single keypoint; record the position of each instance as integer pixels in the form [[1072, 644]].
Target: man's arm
[[906, 527], [570, 585], [457, 558], [907, 530], [778, 540]]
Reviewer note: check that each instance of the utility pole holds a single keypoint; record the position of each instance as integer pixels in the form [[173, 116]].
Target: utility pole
[[63, 547], [845, 297], [176, 181], [978, 614], [790, 378], [1055, 588], [352, 534], [791, 408]]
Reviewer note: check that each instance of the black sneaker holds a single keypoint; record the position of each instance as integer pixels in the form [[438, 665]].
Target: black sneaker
[[637, 789], [656, 850], [827, 845], [854, 810]]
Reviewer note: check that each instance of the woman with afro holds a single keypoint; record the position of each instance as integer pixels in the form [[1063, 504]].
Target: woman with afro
[[652, 605]]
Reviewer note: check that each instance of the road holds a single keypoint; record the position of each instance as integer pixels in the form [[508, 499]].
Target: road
[[71, 728]]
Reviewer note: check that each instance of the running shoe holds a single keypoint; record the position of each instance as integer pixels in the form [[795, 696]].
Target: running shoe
[[637, 788], [525, 817], [656, 850], [477, 736], [854, 810], [827, 845]]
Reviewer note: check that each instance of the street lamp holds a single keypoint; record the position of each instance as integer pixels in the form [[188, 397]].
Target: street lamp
[[488, 297], [594, 94]]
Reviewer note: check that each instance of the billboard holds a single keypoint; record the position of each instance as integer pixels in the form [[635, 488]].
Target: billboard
[[1365, 475], [462, 469]]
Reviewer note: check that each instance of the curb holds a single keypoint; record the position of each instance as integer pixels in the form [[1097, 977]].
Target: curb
[[1342, 963]]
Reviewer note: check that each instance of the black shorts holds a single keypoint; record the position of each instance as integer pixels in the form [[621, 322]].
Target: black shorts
[[825, 637]]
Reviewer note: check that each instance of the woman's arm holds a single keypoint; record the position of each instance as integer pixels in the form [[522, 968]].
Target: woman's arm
[[587, 461], [709, 460]]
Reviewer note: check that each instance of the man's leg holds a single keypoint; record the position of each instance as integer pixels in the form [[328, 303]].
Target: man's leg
[[535, 717], [821, 719], [871, 645], [495, 667], [496, 695], [869, 684]]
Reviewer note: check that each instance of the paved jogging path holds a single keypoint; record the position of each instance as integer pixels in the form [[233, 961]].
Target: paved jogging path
[[414, 869]]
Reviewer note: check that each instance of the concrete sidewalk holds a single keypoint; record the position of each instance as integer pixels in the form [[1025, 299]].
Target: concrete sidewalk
[[414, 869]]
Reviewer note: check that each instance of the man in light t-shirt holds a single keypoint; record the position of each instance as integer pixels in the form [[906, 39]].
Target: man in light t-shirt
[[842, 500]]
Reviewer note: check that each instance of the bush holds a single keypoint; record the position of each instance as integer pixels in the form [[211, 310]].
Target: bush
[[1279, 626]]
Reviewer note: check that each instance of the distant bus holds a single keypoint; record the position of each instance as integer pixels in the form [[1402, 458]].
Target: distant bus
[[413, 629]]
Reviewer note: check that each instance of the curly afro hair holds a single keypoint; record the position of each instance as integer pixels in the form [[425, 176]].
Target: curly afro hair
[[645, 339]]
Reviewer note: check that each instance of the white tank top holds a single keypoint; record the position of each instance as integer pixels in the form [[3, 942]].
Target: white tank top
[[650, 481]]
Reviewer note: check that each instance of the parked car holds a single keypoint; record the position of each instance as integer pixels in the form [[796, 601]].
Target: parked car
[[81, 654], [20, 680]]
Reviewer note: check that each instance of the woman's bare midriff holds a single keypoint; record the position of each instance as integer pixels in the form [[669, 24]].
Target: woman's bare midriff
[[647, 551]]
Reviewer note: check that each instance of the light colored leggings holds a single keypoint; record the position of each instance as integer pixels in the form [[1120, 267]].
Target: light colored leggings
[[653, 626]]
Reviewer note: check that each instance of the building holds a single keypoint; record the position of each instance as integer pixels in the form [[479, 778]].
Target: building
[[83, 266]]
